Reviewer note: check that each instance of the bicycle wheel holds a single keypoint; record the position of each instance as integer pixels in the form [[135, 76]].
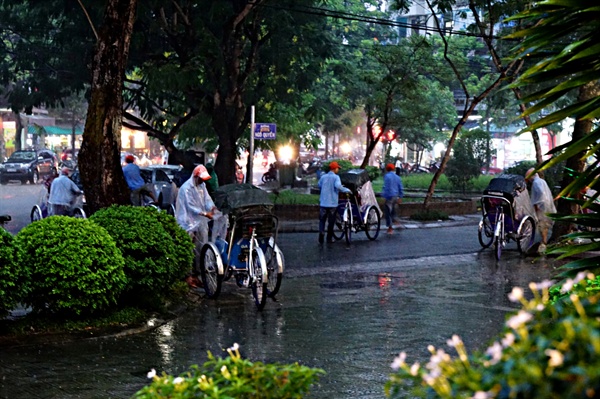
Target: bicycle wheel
[[209, 271], [499, 241], [338, 228], [275, 266], [486, 232], [260, 281], [526, 235], [348, 225], [373, 224], [36, 214], [79, 213]]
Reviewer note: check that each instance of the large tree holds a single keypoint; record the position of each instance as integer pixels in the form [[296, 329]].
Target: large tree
[[99, 165]]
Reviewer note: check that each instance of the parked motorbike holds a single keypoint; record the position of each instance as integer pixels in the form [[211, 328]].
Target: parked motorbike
[[270, 174]]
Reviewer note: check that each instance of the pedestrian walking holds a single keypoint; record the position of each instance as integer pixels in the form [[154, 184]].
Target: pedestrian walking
[[393, 191], [330, 186], [543, 203]]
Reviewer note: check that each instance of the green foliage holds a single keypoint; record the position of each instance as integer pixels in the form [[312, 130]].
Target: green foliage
[[150, 252], [463, 167], [430, 215], [70, 266], [291, 197], [374, 172], [545, 351], [345, 165], [233, 377], [10, 287], [182, 242]]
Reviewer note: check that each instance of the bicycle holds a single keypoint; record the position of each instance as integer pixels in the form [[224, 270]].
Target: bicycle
[[357, 211], [249, 253]]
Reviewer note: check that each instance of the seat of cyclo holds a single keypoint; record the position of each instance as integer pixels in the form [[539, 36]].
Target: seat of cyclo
[[248, 207], [509, 192]]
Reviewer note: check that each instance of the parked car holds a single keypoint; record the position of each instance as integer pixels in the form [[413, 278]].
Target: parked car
[[29, 165], [164, 188], [170, 170]]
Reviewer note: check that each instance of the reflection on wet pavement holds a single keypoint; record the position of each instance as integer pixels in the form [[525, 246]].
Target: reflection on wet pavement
[[351, 321]]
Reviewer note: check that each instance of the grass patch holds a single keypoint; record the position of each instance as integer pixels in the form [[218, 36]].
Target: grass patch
[[291, 197], [429, 216], [34, 323], [421, 181]]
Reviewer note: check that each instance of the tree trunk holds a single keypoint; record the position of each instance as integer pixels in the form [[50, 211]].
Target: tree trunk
[[581, 128], [18, 132], [99, 158]]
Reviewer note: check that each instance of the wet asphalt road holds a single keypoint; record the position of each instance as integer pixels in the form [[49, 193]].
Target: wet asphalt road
[[346, 310]]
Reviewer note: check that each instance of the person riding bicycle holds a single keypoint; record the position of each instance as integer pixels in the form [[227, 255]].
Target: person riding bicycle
[[330, 185], [63, 193], [136, 183], [195, 208]]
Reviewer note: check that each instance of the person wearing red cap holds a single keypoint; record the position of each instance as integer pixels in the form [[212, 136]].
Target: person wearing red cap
[[330, 186], [63, 193], [393, 191], [135, 182], [195, 208]]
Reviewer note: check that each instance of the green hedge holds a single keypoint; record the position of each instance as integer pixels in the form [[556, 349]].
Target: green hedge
[[155, 256], [10, 289], [69, 266], [233, 377]]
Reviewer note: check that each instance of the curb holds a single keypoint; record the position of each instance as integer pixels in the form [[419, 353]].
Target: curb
[[312, 226]]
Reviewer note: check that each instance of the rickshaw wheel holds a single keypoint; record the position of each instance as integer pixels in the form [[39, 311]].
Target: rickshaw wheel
[[373, 224], [79, 213], [486, 232], [259, 285], [338, 228], [275, 266], [209, 271], [36, 214], [348, 225], [498, 247], [526, 235]]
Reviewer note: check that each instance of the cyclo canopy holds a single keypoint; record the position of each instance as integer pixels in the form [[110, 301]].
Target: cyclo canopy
[[357, 180], [514, 189], [249, 203]]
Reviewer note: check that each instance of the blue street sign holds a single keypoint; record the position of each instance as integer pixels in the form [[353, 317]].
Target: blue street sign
[[265, 131]]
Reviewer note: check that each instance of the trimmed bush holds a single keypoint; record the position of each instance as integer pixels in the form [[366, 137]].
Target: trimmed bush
[[234, 377], [152, 261], [10, 288], [182, 242], [70, 266]]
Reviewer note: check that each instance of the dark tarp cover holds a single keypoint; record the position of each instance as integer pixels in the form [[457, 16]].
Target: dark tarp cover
[[505, 183], [234, 196], [354, 178]]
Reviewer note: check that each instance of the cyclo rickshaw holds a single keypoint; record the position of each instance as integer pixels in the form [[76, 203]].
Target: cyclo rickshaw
[[507, 214], [249, 254], [358, 210], [42, 209]]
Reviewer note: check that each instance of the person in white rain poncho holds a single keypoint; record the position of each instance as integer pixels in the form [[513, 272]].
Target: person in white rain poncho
[[543, 203], [195, 208]]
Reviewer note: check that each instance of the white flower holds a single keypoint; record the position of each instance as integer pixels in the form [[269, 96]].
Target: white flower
[[580, 276], [567, 286], [516, 294], [481, 395], [556, 357], [508, 340], [414, 369], [495, 352], [544, 285], [151, 373], [178, 380], [399, 361], [519, 319], [235, 347], [454, 342]]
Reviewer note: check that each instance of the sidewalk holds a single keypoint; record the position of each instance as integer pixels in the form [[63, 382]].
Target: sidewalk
[[312, 226]]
